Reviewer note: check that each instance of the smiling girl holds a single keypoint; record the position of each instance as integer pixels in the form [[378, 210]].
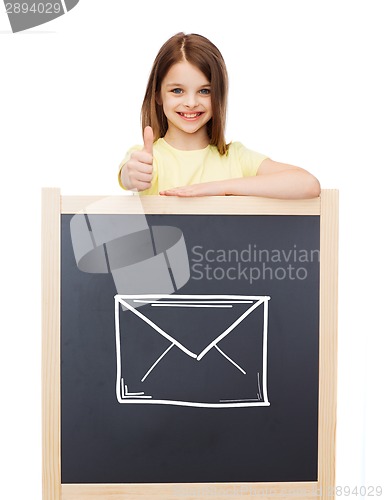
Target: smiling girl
[[183, 120]]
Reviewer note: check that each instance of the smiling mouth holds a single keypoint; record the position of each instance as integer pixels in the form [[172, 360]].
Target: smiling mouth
[[190, 116]]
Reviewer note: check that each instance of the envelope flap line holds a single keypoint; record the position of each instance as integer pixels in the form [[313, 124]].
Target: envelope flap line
[[157, 328], [229, 329]]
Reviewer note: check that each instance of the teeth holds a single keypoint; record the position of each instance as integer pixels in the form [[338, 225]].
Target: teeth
[[190, 115]]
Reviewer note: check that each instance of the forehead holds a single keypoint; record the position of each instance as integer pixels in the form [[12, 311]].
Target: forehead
[[185, 73]]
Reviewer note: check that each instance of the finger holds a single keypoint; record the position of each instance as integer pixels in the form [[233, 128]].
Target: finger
[[141, 157], [141, 177], [184, 192], [148, 140], [142, 165], [141, 186], [171, 192]]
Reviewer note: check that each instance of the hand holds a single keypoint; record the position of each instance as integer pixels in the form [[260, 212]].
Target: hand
[[137, 172], [215, 188]]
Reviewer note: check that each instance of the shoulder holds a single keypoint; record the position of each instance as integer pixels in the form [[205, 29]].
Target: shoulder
[[245, 154], [238, 147], [233, 151], [248, 159], [234, 148]]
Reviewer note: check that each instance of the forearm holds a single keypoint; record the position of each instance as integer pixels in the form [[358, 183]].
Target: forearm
[[288, 184]]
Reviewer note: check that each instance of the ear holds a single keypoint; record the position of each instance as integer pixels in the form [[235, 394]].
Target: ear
[[158, 99]]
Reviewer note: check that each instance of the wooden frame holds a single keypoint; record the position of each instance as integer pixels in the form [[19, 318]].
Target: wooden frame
[[53, 205]]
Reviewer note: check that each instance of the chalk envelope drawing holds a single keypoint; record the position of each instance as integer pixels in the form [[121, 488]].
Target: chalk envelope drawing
[[192, 350]]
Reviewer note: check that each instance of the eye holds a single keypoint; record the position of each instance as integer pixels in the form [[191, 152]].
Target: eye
[[205, 91], [177, 91]]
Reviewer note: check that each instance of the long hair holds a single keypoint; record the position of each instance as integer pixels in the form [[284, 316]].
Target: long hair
[[200, 52]]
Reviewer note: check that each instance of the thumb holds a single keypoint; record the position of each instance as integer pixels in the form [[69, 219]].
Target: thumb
[[148, 140]]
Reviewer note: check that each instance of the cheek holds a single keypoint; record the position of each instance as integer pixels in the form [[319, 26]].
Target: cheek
[[209, 107], [168, 102]]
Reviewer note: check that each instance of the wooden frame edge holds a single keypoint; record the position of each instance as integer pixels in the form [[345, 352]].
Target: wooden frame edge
[[188, 491], [53, 205], [50, 265], [329, 233], [227, 205]]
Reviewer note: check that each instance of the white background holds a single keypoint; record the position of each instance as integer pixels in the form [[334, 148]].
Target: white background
[[306, 87]]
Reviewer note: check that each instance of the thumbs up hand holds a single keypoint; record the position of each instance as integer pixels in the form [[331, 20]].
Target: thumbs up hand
[[148, 140], [137, 172]]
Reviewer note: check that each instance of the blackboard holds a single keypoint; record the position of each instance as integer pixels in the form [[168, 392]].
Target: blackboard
[[217, 382]]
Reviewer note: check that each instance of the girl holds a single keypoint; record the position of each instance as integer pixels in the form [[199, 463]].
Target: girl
[[183, 120]]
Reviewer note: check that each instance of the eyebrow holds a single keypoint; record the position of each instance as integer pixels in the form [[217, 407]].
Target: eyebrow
[[182, 85]]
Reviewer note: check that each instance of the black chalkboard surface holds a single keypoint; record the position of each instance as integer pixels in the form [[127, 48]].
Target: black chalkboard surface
[[148, 392]]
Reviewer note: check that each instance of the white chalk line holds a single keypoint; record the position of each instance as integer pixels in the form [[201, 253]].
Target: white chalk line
[[265, 348], [157, 328], [160, 304], [237, 400], [119, 379], [137, 397], [155, 363], [228, 330], [196, 301], [258, 382], [231, 360], [242, 404], [223, 403], [159, 296], [127, 393]]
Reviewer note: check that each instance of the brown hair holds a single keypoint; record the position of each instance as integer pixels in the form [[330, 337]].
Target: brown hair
[[203, 54]]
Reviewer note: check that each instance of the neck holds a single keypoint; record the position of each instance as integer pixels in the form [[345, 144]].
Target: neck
[[187, 142]]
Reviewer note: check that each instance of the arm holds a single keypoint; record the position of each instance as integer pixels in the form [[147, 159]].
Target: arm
[[273, 180]]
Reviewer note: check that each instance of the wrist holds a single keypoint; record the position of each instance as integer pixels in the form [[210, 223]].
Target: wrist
[[226, 187], [241, 186]]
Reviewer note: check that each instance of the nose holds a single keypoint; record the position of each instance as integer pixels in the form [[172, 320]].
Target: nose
[[190, 100]]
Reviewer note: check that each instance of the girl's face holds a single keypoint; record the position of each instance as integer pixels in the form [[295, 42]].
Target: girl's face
[[185, 95]]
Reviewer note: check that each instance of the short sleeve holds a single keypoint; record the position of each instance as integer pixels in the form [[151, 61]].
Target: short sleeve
[[249, 160]]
